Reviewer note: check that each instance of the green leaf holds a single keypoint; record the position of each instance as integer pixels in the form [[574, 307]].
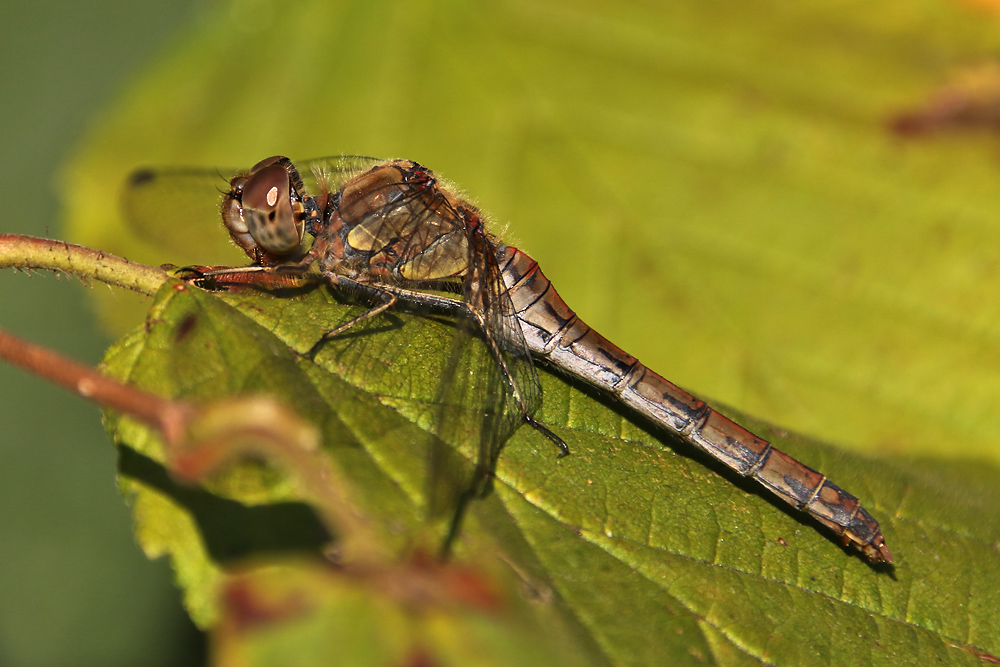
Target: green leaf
[[644, 548], [196, 346], [715, 187]]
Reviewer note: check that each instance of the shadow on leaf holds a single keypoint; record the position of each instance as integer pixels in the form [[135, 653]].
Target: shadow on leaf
[[231, 530]]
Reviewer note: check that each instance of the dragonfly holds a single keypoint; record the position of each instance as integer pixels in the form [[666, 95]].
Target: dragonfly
[[394, 233]]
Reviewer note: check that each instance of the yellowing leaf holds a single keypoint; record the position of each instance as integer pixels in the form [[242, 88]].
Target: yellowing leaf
[[641, 546], [716, 187]]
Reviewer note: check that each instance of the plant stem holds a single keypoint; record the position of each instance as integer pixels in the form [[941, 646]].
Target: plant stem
[[168, 417], [29, 252]]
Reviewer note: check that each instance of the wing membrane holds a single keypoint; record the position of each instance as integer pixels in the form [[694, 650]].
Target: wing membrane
[[177, 210], [481, 380]]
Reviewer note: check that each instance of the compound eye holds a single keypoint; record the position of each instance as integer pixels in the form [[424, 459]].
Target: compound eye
[[232, 217], [268, 211], [266, 162]]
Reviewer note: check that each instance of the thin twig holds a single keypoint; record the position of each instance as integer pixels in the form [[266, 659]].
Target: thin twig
[[168, 417], [197, 439], [200, 439], [30, 252]]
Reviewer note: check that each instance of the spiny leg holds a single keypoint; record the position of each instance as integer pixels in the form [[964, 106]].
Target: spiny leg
[[388, 301], [463, 308], [271, 276], [497, 355], [297, 268], [274, 276], [544, 430]]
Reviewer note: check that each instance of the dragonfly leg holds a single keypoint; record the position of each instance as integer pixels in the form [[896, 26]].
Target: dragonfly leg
[[502, 363], [275, 276], [452, 305], [544, 430], [388, 301]]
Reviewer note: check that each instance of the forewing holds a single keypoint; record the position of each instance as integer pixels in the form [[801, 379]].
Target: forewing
[[326, 175], [519, 392], [490, 372], [177, 210]]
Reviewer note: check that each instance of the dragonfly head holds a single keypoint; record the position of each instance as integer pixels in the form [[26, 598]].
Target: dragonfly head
[[265, 210]]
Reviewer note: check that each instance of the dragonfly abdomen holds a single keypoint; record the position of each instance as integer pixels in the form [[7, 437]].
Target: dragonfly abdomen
[[557, 335]]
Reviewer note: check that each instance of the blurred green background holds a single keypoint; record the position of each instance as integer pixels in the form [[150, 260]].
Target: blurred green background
[[722, 188], [74, 588]]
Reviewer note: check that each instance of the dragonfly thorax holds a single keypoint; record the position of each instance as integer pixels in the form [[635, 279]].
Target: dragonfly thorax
[[395, 222]]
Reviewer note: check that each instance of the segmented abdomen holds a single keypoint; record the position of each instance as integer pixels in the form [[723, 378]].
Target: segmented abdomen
[[555, 334]]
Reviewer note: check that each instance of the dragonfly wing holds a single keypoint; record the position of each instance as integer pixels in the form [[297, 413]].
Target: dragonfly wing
[[519, 392], [491, 371], [409, 232], [422, 237], [466, 426], [326, 175], [177, 210]]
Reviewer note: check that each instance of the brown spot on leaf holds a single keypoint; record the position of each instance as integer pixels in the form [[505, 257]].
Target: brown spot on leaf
[[246, 609], [185, 328], [425, 581], [419, 657], [968, 100]]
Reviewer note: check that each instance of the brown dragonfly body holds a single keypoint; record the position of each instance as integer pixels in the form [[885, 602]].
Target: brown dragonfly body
[[393, 231], [555, 334]]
